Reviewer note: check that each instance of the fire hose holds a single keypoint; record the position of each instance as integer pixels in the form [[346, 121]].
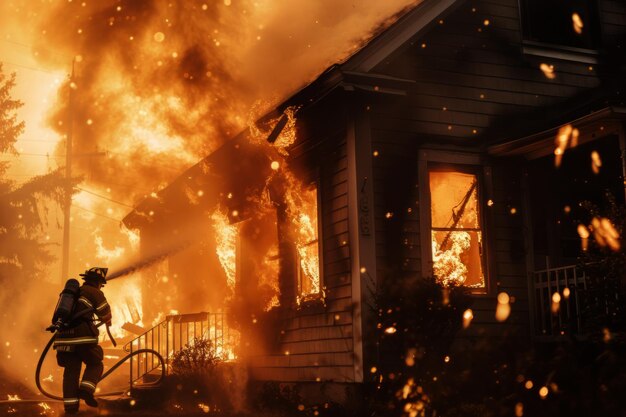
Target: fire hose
[[107, 373]]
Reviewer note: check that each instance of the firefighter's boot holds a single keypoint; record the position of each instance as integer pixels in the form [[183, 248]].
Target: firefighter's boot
[[87, 397]]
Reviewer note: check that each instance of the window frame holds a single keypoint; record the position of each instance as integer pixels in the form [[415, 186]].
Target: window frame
[[319, 296], [464, 162], [553, 50]]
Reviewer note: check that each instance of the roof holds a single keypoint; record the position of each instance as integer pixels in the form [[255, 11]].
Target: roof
[[355, 72]]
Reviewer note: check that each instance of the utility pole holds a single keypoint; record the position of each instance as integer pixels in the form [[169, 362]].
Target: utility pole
[[67, 203]]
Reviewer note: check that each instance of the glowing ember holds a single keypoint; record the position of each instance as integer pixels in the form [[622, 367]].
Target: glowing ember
[[548, 71], [503, 298], [468, 316], [577, 23], [605, 233], [408, 387], [13, 397], [543, 392], [583, 232], [503, 309], [390, 330], [556, 302], [596, 162], [567, 136], [159, 37]]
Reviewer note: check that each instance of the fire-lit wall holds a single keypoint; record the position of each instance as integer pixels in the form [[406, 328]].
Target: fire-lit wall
[[313, 337]]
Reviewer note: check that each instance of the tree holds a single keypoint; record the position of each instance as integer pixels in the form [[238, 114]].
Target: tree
[[24, 251]]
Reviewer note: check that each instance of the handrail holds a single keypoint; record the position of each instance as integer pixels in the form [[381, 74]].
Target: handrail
[[172, 335], [127, 345], [558, 268]]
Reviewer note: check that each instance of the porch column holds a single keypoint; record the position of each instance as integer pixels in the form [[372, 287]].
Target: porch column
[[622, 148], [362, 237]]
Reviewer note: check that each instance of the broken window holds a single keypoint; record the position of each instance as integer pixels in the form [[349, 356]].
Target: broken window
[[456, 229], [308, 245]]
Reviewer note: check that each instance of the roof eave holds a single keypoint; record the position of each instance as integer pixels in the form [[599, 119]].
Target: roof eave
[[606, 121]]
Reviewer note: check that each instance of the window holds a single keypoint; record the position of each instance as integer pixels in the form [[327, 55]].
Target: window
[[308, 247], [456, 228], [267, 268], [558, 22]]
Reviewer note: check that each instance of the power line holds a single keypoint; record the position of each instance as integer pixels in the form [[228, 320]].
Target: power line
[[106, 198], [147, 164], [26, 175], [97, 214], [31, 47], [33, 154], [76, 155], [28, 67]]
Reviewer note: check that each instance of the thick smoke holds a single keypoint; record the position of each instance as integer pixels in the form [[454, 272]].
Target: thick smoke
[[157, 86]]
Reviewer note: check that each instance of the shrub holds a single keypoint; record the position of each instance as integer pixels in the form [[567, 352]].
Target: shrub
[[198, 358]]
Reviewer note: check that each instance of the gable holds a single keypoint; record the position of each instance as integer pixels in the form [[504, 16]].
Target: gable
[[475, 78]]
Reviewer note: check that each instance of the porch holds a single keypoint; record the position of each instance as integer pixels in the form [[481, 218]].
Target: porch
[[568, 302]]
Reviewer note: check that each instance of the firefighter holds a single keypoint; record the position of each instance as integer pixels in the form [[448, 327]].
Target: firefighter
[[79, 342]]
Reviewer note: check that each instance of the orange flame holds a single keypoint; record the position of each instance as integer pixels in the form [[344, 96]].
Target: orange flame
[[226, 245], [125, 299], [302, 212], [447, 264]]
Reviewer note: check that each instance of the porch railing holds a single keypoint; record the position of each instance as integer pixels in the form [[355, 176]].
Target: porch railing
[[564, 316], [172, 335]]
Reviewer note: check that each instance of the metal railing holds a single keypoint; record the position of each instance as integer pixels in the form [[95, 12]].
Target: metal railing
[[564, 316], [175, 333]]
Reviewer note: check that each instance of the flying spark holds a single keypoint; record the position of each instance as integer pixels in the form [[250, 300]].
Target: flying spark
[[577, 23], [548, 71]]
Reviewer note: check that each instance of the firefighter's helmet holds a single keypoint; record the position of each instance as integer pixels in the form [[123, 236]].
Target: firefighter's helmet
[[96, 274]]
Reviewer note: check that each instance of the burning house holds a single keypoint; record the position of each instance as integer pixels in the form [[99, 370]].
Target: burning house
[[460, 144]]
